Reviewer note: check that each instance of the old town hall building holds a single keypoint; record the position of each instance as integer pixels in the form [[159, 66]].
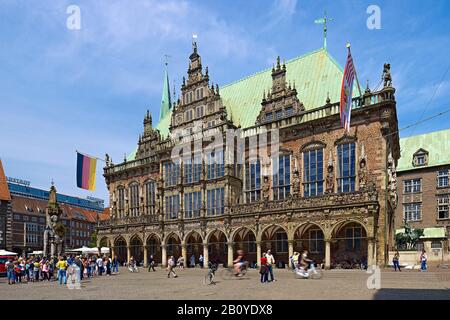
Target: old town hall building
[[295, 180]]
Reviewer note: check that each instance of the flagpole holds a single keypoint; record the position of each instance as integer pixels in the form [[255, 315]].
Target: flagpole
[[87, 155], [356, 73]]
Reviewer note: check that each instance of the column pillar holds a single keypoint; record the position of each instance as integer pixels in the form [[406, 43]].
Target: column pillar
[[184, 253], [290, 251], [163, 255], [370, 260], [258, 252], [327, 254], [113, 252], [230, 254], [145, 256], [205, 255], [128, 253]]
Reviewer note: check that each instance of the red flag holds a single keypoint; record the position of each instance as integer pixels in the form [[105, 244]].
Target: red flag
[[346, 93]]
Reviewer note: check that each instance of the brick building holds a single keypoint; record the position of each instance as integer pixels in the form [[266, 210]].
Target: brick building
[[26, 218], [423, 187], [293, 180]]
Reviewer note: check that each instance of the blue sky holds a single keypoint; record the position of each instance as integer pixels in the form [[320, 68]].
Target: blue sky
[[88, 89]]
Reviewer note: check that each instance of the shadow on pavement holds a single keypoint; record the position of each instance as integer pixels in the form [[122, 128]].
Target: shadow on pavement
[[412, 294]]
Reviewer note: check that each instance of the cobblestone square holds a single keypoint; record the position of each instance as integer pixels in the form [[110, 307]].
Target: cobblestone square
[[335, 285]]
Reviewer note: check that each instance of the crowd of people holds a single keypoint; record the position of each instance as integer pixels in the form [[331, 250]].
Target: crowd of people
[[37, 268]]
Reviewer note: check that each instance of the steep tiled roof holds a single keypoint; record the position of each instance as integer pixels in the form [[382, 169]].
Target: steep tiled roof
[[4, 191], [436, 143], [104, 215]]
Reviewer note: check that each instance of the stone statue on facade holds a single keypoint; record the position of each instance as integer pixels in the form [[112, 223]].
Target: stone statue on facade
[[265, 190], [107, 160], [362, 173], [329, 182], [387, 75], [392, 181], [54, 230], [296, 183]]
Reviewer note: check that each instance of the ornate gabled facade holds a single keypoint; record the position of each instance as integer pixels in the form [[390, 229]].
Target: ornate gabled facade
[[291, 179]]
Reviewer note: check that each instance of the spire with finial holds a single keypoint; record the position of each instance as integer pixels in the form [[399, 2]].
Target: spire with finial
[[284, 65], [278, 63], [367, 88], [324, 21], [206, 71], [124, 157], [166, 103], [328, 98], [217, 88]]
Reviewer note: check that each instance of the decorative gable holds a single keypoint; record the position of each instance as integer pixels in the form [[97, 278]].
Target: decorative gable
[[281, 101]]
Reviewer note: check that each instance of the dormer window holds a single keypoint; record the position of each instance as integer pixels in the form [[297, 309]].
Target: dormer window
[[420, 158], [279, 114], [269, 116]]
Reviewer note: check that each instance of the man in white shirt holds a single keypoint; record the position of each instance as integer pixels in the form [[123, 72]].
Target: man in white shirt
[[270, 263], [100, 266]]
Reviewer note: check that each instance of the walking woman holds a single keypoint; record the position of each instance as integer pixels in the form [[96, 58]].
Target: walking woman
[[264, 270], [396, 261]]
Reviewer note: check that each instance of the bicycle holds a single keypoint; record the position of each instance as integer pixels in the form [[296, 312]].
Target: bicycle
[[209, 277], [311, 273], [229, 273]]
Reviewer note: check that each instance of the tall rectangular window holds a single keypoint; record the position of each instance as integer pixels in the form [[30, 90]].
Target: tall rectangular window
[[252, 181], [134, 199], [315, 241], [188, 172], [443, 177], [172, 206], [353, 236], [150, 197], [313, 172], [121, 198], [412, 186], [282, 178], [215, 201], [346, 167], [443, 206], [282, 242], [171, 174], [215, 165], [192, 204], [412, 211]]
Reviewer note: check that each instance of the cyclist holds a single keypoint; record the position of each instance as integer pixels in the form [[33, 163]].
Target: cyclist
[[239, 263], [132, 265], [304, 261]]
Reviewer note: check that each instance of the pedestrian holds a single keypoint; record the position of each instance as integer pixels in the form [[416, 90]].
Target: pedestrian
[[108, 266], [37, 269], [151, 263], [44, 271], [396, 261], [264, 270], [201, 261], [171, 266], [115, 265], [181, 262], [423, 260], [99, 266], [10, 271], [270, 264], [62, 267], [192, 262]]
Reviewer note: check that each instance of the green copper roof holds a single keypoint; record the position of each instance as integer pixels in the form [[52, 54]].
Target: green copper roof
[[165, 100], [315, 76], [435, 232], [436, 143]]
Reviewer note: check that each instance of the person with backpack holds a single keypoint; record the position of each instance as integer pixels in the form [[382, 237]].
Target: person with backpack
[[264, 270]]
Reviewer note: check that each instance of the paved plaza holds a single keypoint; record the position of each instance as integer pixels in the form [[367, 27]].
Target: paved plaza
[[335, 284]]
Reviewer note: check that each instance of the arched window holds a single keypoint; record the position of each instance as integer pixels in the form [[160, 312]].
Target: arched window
[[150, 197], [134, 199]]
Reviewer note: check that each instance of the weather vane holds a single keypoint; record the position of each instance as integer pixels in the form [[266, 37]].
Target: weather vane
[[324, 21]]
